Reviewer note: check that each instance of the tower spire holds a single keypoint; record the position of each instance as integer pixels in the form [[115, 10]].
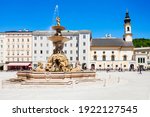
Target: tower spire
[[127, 17]]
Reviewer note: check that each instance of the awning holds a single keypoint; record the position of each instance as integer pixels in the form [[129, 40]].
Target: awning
[[18, 64]]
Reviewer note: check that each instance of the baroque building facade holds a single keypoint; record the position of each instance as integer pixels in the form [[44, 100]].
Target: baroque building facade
[[2, 54], [114, 53], [142, 57], [77, 49], [18, 50], [22, 50]]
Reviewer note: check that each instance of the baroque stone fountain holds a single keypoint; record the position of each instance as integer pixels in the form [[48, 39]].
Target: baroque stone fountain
[[58, 66]]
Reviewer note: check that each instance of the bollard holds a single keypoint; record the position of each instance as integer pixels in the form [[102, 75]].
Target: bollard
[[104, 83], [118, 79], [0, 84]]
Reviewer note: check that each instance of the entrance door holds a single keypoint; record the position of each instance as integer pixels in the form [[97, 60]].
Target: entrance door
[[93, 67]]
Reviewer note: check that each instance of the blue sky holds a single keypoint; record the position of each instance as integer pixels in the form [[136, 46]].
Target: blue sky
[[99, 16]]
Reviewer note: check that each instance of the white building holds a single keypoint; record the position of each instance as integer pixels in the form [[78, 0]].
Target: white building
[[113, 53], [42, 48], [77, 49], [18, 50], [142, 57], [2, 54]]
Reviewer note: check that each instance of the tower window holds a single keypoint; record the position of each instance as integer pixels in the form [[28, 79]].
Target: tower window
[[128, 28], [84, 36]]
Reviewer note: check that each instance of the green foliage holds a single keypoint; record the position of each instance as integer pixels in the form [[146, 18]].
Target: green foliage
[[141, 42]]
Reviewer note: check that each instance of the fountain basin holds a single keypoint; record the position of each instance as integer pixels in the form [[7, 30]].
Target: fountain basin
[[55, 75], [58, 38]]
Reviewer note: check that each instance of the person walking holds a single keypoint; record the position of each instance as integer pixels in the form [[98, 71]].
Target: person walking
[[140, 69]]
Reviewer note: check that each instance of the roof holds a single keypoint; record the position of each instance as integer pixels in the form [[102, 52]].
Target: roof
[[110, 42], [142, 48], [18, 31], [64, 33]]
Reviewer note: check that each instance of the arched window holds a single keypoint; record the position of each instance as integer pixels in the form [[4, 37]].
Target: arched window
[[125, 58], [112, 58], [95, 57], [128, 28], [104, 58]]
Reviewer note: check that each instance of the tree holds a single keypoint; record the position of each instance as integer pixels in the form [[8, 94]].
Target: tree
[[141, 42]]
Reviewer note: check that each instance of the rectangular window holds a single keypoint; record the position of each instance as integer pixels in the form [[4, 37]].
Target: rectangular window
[[35, 52], [143, 60], [35, 38], [47, 44], [27, 40], [35, 44], [41, 52], [65, 52], [47, 52], [70, 51], [84, 44], [138, 60], [71, 58], [41, 38], [77, 52], [84, 58], [70, 44], [84, 51], [27, 52], [41, 44], [84, 36]]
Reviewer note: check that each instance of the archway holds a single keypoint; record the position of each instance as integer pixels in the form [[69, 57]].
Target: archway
[[84, 66], [93, 67], [131, 67]]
